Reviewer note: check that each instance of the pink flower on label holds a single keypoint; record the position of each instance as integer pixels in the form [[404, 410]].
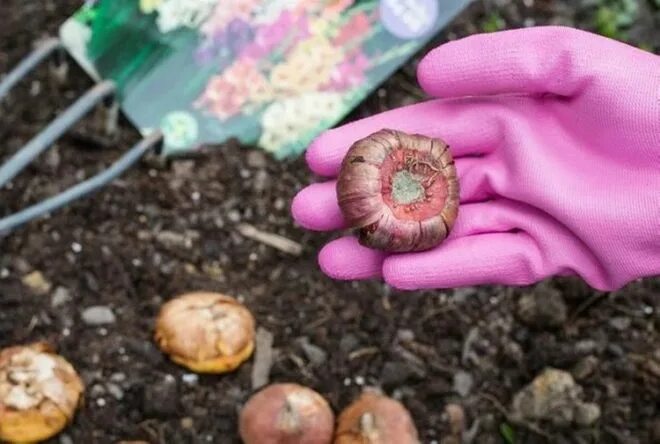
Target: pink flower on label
[[336, 7], [226, 94], [268, 37], [356, 28], [349, 74], [225, 12]]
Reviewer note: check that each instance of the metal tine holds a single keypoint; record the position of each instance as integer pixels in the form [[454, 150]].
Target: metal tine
[[86, 187], [42, 51], [54, 130]]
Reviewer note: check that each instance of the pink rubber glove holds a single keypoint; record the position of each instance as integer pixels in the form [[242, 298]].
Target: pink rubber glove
[[556, 133]]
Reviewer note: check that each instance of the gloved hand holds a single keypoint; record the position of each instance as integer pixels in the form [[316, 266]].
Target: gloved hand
[[556, 135]]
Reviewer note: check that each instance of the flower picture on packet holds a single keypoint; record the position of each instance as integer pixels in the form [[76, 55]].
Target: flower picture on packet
[[271, 73]]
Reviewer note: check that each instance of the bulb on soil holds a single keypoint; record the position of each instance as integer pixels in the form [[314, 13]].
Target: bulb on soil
[[399, 190], [375, 419], [286, 414], [206, 332], [39, 393]]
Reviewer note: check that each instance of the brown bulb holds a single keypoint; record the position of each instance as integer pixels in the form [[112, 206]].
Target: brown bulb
[[286, 413], [375, 419], [206, 332], [39, 393], [400, 191]]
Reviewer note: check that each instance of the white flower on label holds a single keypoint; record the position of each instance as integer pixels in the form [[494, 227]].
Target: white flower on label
[[175, 14], [284, 122], [180, 129]]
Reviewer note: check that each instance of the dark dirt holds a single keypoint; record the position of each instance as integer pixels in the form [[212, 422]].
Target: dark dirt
[[472, 347]]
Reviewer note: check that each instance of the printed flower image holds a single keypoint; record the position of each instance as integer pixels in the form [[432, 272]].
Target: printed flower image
[[270, 10], [336, 7], [180, 129], [269, 36], [351, 73], [286, 121], [225, 11], [233, 39], [227, 93], [308, 66], [175, 14], [325, 8], [237, 67], [149, 6], [355, 29]]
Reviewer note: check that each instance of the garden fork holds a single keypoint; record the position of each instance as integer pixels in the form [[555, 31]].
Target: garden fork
[[102, 91]]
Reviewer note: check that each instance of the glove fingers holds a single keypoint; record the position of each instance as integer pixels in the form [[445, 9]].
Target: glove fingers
[[316, 208], [469, 130], [474, 179], [485, 217], [527, 61], [346, 259], [493, 258]]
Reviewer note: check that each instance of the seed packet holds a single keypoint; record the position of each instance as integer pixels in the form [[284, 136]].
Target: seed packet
[[270, 73]]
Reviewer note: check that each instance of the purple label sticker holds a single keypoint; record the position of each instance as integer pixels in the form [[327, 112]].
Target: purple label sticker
[[409, 19]]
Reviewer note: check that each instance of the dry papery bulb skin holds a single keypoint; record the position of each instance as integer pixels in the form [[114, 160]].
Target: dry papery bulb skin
[[286, 413], [39, 393], [206, 332], [375, 419], [399, 190]]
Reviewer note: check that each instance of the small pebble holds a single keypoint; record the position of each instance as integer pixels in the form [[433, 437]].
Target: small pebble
[[256, 159], [115, 391], [542, 307], [316, 355], [190, 378], [586, 414], [585, 367], [405, 335], [463, 383], [98, 315], [118, 377], [348, 343], [60, 297], [37, 282], [620, 323]]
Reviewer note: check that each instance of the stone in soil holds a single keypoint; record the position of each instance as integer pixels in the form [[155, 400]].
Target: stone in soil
[[98, 315], [316, 355], [37, 282], [553, 396], [543, 307], [61, 296], [463, 383]]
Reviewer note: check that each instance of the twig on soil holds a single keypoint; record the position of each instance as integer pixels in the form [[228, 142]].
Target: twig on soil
[[273, 240], [584, 306], [366, 351], [263, 358], [529, 426], [467, 345]]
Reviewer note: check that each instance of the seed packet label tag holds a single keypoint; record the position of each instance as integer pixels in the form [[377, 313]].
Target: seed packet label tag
[[271, 73]]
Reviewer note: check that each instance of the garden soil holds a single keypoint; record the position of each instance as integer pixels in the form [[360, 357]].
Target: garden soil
[[168, 228]]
